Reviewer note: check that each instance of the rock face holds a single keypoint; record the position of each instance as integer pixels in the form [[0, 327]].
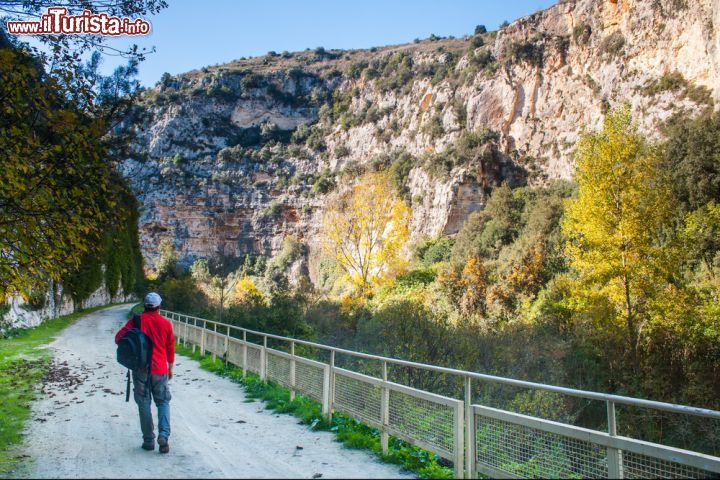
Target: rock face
[[55, 304], [234, 158]]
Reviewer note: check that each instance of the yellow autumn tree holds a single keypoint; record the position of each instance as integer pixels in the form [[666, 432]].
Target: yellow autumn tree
[[248, 294], [366, 229], [614, 226]]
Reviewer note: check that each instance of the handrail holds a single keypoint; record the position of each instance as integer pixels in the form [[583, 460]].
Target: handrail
[[617, 399]]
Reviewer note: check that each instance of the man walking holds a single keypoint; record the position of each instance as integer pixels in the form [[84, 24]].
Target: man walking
[[155, 382]]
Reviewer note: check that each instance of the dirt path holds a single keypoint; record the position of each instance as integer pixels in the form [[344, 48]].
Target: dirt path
[[83, 428]]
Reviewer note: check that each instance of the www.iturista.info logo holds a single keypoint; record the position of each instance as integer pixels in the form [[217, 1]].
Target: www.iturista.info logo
[[57, 21]]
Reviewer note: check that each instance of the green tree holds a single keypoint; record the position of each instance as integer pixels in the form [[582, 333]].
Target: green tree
[[615, 223], [692, 156], [217, 279], [56, 193], [167, 264], [248, 265]]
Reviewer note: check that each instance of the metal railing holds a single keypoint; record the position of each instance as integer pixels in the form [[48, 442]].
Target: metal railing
[[475, 438]]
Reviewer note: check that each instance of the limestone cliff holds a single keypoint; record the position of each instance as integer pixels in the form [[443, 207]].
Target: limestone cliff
[[237, 156]]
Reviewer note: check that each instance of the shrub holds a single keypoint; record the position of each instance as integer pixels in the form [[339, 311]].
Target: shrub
[[250, 80], [469, 147], [528, 52], [300, 134], [434, 250], [315, 140], [221, 92], [274, 209], [183, 295], [341, 151], [477, 42], [400, 166], [416, 278], [434, 127], [480, 29], [675, 82], [324, 183], [670, 82], [483, 60], [581, 33], [613, 44]]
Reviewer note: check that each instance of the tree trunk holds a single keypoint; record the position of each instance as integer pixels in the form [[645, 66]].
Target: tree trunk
[[631, 326], [222, 303]]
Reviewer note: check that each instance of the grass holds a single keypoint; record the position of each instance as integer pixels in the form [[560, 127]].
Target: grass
[[350, 432], [137, 309], [23, 363]]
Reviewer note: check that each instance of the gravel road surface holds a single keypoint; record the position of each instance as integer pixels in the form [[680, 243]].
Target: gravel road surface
[[82, 427]]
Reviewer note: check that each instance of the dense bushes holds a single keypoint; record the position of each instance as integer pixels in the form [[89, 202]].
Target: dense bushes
[[479, 148], [529, 52], [692, 153], [118, 263]]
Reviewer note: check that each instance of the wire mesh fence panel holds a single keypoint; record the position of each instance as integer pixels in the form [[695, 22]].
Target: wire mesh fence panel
[[309, 379], [192, 334], [235, 352], [505, 447], [636, 465], [358, 396], [176, 329], [668, 428], [278, 368], [254, 358], [214, 343], [429, 381], [428, 423], [520, 429]]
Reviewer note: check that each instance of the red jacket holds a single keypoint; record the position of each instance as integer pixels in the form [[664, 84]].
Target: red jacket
[[160, 331]]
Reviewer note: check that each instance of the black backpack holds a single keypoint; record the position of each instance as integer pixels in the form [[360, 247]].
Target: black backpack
[[134, 350]]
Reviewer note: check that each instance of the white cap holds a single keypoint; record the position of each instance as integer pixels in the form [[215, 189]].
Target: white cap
[[152, 300]]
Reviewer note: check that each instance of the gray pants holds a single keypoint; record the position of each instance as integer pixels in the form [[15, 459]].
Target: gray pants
[[156, 386]]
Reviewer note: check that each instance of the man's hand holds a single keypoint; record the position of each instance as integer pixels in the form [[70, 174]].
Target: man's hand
[[170, 374]]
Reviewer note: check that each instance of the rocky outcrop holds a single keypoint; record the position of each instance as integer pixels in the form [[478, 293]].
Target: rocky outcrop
[[236, 157], [21, 314]]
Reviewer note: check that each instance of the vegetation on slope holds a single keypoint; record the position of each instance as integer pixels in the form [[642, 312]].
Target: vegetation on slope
[[607, 285]]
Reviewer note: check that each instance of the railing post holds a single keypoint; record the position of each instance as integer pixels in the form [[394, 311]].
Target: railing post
[[385, 410], [195, 326], [326, 392], [292, 371], [176, 330], [331, 386], [263, 360], [459, 437], [469, 431], [227, 344], [614, 455], [244, 353], [214, 340], [202, 338]]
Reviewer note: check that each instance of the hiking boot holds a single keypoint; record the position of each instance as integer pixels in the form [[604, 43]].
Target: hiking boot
[[148, 446], [164, 447]]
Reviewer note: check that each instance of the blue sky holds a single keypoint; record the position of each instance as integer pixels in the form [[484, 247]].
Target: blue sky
[[190, 34]]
